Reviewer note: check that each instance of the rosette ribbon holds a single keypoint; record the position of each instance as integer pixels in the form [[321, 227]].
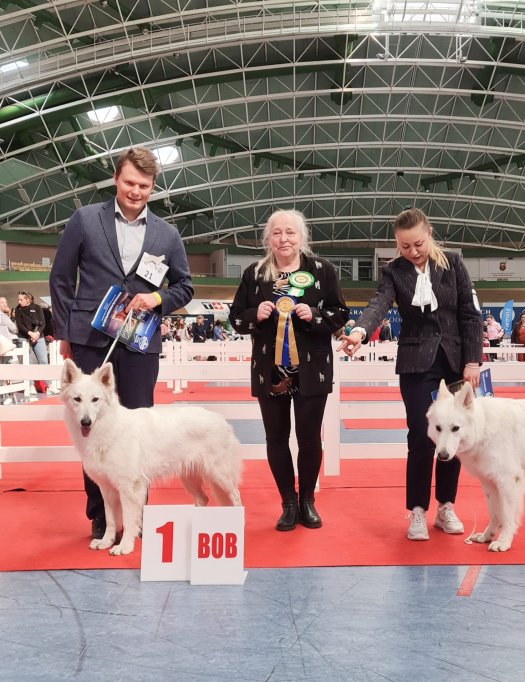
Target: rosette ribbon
[[285, 345]]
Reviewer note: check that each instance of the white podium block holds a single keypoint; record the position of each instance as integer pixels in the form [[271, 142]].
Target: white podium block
[[166, 542], [217, 546]]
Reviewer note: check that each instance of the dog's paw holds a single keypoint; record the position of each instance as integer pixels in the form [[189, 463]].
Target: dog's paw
[[101, 544], [123, 548], [498, 546], [479, 537]]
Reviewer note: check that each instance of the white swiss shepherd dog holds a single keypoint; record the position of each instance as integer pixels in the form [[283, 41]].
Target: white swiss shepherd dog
[[486, 434], [124, 451]]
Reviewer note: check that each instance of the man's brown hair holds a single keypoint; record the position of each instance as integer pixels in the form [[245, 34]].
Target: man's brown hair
[[142, 158]]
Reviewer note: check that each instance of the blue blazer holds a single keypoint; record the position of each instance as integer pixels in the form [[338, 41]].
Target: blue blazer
[[456, 325], [88, 251]]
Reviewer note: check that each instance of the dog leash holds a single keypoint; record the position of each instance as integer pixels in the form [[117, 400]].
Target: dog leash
[[117, 335]]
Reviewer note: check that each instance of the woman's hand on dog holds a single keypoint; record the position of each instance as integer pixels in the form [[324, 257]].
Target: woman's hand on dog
[[350, 343], [471, 374]]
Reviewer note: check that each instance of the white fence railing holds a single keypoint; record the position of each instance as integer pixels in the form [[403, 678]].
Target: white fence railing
[[184, 362]]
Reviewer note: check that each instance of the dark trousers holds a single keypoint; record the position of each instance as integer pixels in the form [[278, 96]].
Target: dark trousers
[[416, 392], [276, 415], [135, 375]]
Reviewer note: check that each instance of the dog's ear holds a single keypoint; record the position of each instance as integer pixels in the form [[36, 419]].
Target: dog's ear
[[465, 396], [443, 390], [70, 372], [105, 375]]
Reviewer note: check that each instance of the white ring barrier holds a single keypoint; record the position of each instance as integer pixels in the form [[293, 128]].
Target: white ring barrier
[[184, 362]]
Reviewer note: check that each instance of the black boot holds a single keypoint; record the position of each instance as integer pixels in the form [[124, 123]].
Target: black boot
[[308, 515], [289, 517]]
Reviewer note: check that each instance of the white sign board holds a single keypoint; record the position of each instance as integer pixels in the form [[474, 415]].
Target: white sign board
[[204, 545], [166, 542], [217, 546]]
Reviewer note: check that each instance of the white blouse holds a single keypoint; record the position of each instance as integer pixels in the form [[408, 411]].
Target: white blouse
[[424, 295]]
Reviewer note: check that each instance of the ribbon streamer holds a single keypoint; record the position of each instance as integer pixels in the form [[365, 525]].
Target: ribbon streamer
[[285, 345]]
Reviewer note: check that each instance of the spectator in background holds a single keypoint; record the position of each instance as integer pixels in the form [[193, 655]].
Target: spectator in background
[[7, 321], [181, 332], [385, 331], [218, 333], [199, 330], [165, 329], [518, 335], [494, 331], [31, 323], [349, 326]]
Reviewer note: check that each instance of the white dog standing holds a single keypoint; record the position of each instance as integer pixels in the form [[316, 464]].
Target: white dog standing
[[123, 450], [487, 436]]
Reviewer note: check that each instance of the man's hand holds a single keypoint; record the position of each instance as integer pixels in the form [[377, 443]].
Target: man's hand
[[65, 350], [142, 302]]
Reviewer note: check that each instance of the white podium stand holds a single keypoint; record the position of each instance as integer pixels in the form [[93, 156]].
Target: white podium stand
[[204, 545]]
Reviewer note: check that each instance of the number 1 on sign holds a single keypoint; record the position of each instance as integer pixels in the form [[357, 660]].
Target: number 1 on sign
[[167, 542]]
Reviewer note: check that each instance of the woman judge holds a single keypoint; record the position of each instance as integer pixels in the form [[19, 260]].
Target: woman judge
[[291, 303], [440, 338]]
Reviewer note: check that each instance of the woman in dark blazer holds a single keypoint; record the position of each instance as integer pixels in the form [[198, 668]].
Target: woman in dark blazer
[[291, 303], [440, 338]]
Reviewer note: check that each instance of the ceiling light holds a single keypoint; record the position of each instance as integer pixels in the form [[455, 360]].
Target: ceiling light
[[24, 195], [77, 202], [166, 155], [14, 66], [104, 114]]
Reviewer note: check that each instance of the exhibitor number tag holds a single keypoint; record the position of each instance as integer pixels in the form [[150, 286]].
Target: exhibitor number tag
[[152, 269]]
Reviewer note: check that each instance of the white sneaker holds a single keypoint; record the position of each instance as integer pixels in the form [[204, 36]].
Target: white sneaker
[[447, 520], [52, 391], [418, 525], [32, 390]]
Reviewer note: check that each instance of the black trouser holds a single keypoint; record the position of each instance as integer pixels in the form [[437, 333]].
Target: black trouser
[[309, 411], [135, 376], [416, 392]]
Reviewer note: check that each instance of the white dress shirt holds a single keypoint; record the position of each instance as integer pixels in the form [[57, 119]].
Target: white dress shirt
[[130, 236]]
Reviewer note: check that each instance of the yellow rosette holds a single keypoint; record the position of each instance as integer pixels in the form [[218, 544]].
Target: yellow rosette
[[285, 345]]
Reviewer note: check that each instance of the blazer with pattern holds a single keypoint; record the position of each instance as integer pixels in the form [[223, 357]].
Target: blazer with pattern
[[456, 325], [313, 338], [88, 249]]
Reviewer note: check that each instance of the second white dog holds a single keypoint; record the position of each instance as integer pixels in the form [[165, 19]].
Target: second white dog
[[487, 436], [123, 450]]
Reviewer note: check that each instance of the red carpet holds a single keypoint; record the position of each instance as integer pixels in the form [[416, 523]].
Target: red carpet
[[44, 527], [43, 524]]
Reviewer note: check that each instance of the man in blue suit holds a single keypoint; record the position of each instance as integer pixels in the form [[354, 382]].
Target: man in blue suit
[[106, 244]]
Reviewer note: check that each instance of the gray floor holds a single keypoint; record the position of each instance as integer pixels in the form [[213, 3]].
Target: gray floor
[[332, 624]]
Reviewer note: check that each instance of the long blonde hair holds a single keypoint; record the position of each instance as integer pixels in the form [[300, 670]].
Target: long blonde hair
[[268, 265], [414, 216]]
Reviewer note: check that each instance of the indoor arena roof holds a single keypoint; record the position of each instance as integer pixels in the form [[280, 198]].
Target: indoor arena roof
[[347, 111]]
